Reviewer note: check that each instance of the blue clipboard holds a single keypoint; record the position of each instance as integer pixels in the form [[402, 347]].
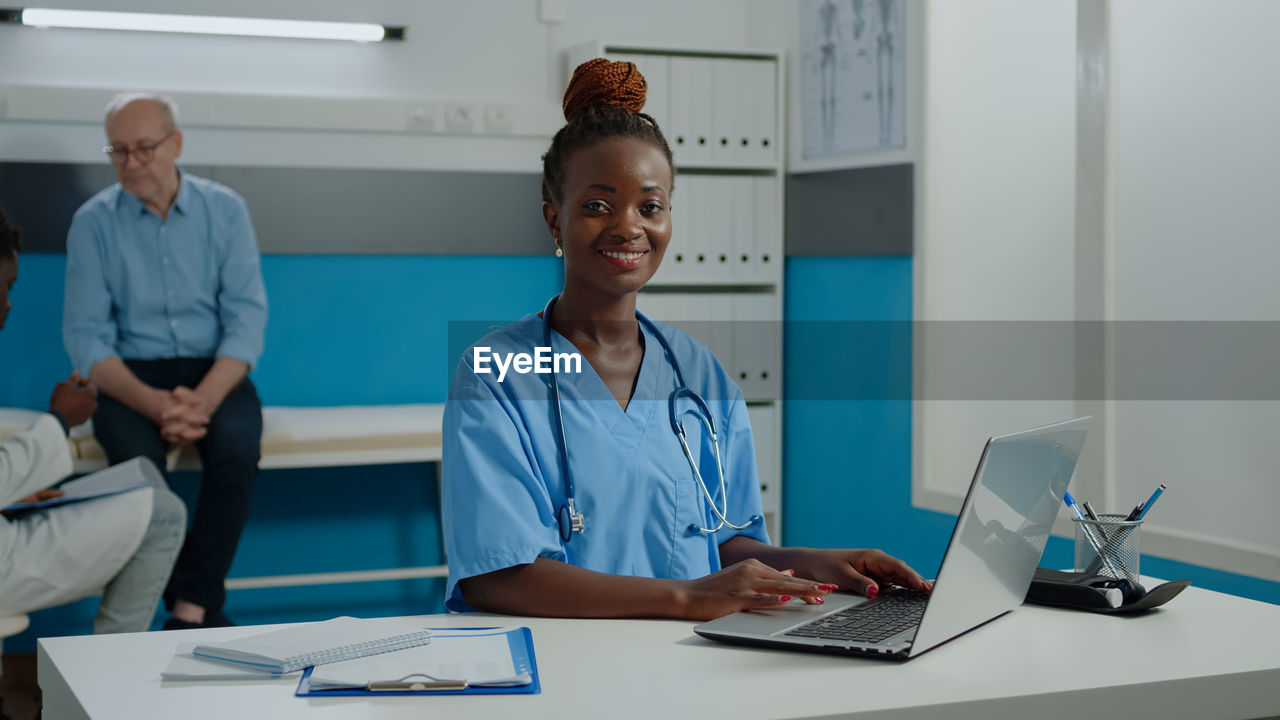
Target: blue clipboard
[[520, 641]]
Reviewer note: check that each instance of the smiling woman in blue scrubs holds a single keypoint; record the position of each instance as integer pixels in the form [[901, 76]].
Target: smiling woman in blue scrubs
[[644, 546]]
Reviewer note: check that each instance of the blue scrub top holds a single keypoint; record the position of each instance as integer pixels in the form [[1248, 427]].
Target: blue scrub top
[[503, 481]]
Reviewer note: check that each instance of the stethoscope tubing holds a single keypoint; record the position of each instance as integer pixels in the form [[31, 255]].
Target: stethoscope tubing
[[569, 519]]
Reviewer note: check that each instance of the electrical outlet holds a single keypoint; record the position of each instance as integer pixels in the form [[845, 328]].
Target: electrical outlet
[[421, 119], [462, 118], [497, 120]]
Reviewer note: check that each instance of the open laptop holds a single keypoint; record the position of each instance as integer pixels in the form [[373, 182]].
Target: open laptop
[[996, 544]]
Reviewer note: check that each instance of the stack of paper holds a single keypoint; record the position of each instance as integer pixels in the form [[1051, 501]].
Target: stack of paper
[[476, 658]]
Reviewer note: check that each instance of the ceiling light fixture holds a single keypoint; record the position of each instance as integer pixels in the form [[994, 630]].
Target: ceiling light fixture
[[201, 24]]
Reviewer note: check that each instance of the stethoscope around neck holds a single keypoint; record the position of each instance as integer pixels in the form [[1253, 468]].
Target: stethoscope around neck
[[569, 518]]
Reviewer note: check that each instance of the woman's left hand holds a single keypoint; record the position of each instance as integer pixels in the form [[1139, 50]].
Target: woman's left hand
[[859, 570], [38, 496]]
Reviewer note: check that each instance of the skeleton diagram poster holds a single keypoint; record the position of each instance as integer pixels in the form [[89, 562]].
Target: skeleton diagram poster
[[852, 76]]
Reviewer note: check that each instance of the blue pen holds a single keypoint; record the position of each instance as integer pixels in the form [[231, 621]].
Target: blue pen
[[1146, 507], [1071, 503], [1088, 533]]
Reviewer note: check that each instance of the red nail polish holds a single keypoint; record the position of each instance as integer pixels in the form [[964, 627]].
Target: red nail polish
[[785, 598], [872, 591], [821, 601], [828, 587]]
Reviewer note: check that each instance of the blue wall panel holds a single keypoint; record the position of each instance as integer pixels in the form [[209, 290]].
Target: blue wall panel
[[31, 352], [847, 459], [342, 330]]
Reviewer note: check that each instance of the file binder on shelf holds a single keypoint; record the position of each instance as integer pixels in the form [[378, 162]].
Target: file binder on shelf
[[725, 89], [762, 110], [433, 669], [766, 253], [680, 134], [764, 431]]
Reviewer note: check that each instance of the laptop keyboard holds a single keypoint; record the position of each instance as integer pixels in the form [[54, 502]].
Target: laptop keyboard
[[881, 618]]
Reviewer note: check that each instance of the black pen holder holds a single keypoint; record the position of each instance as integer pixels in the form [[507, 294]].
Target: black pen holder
[[1108, 546]]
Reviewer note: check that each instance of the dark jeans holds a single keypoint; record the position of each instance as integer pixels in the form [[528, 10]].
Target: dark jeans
[[229, 453]]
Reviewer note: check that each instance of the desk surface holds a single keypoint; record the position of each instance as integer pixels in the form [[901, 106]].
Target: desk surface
[[1203, 655]]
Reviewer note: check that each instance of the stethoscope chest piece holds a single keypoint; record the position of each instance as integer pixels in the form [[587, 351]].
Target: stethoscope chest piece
[[570, 520]]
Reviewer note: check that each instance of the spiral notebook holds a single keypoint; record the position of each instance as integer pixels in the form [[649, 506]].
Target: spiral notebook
[[294, 648]]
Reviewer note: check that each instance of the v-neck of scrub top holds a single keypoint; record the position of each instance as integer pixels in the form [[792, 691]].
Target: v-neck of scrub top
[[641, 407]]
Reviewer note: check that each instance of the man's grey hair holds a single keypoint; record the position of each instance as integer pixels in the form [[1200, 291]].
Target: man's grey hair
[[167, 105]]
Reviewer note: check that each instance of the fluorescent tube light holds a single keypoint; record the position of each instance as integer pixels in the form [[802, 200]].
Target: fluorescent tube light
[[206, 25]]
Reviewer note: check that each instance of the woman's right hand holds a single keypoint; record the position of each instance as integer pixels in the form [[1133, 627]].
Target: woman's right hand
[[75, 398], [747, 585]]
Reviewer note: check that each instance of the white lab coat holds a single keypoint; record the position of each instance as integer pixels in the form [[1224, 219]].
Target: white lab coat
[[62, 554]]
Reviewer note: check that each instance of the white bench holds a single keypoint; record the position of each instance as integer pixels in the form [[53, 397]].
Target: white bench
[[303, 437]]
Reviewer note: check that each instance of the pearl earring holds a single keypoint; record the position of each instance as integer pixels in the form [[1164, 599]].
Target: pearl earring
[[559, 252]]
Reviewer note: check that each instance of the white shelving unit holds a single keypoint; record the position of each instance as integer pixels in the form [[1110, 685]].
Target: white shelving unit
[[721, 279]]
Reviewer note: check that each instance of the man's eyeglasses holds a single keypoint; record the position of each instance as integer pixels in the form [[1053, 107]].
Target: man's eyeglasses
[[143, 152]]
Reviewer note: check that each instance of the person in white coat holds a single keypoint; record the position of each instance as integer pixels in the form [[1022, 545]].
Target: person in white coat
[[123, 546]]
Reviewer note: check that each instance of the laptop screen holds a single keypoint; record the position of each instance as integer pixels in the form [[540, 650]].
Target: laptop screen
[[1002, 529]]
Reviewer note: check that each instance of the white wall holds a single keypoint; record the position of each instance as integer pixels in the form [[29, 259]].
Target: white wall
[[1195, 183], [1192, 171], [996, 236], [482, 50]]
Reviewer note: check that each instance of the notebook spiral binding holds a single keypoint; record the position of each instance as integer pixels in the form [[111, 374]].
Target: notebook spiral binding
[[356, 650]]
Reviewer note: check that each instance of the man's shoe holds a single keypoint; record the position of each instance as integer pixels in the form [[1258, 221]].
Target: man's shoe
[[212, 619], [216, 618]]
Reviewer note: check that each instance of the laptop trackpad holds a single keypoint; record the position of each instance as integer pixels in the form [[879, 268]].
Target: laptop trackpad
[[779, 620]]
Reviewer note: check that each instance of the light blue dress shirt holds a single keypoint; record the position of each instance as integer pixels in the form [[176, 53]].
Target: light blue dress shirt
[[503, 480], [143, 289]]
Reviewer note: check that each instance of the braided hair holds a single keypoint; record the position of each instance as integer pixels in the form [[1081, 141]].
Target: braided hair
[[604, 100], [10, 239]]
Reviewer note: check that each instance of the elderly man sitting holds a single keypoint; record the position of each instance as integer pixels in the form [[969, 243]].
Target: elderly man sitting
[[165, 311]]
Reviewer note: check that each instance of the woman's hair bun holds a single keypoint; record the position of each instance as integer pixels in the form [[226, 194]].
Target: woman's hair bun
[[602, 82]]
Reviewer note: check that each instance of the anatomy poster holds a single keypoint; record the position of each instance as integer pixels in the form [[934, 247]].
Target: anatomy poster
[[852, 76]]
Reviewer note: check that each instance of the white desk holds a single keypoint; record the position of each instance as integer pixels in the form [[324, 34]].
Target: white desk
[[1036, 662]]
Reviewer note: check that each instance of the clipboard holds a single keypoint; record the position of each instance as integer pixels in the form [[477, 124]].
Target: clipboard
[[125, 477], [519, 641]]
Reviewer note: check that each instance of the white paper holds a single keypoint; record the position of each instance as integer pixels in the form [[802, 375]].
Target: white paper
[[852, 76], [129, 475], [481, 657]]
